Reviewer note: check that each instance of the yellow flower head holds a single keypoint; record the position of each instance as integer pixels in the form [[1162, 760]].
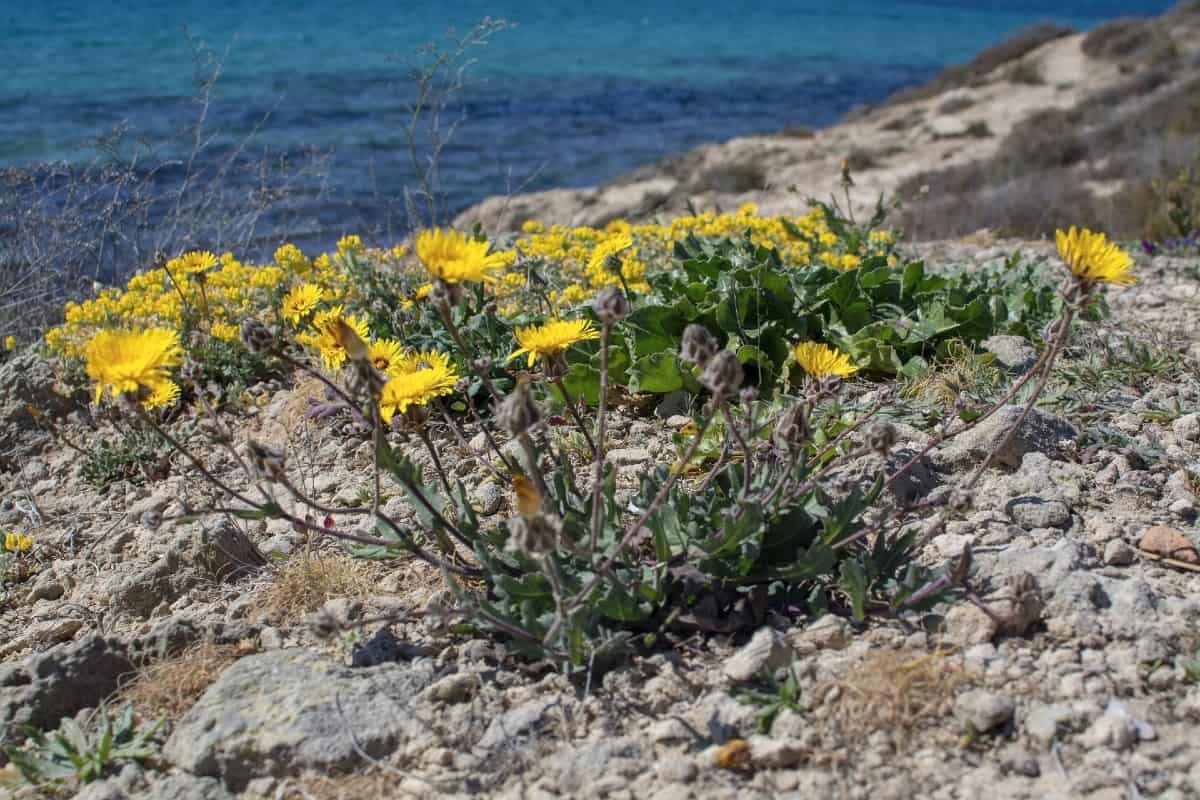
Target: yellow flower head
[[300, 302], [453, 257], [552, 338], [820, 360], [193, 263], [386, 355], [420, 377], [17, 542], [351, 244], [325, 338], [132, 361], [164, 394], [10, 343], [607, 248], [1092, 258], [292, 259], [225, 331]]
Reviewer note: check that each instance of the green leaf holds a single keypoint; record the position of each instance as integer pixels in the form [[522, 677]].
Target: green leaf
[[853, 582], [658, 373]]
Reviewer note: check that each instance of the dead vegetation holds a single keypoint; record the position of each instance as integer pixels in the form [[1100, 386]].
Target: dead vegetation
[[894, 691], [168, 687], [306, 582]]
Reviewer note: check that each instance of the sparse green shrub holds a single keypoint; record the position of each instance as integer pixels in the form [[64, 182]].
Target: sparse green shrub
[[75, 754], [134, 457]]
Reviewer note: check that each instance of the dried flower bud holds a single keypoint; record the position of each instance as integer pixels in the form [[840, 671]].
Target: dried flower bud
[[462, 385], [698, 345], [723, 375], [793, 430], [518, 412], [611, 305], [482, 365], [190, 371], [267, 462], [748, 395], [256, 336], [881, 437], [347, 337], [534, 535], [366, 381]]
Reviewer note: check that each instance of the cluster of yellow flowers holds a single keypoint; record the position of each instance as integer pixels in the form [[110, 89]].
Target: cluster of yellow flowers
[[588, 259], [17, 542]]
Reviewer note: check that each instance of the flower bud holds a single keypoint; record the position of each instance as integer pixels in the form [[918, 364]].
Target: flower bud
[[881, 437], [793, 430], [450, 294], [518, 412], [267, 462], [256, 336], [698, 345], [482, 365], [831, 384], [348, 338], [723, 375], [611, 305], [534, 535], [190, 371]]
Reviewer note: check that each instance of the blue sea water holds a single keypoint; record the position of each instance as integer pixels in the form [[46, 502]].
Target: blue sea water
[[572, 94]]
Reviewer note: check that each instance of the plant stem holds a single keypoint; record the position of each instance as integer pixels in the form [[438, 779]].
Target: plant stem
[[598, 449], [570, 403]]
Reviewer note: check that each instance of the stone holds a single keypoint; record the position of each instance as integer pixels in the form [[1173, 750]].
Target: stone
[[29, 383], [629, 456], [219, 551], [281, 712], [1013, 352], [1118, 554], [1187, 427], [1116, 729], [1169, 543], [984, 710], [488, 497], [766, 652], [454, 688], [45, 687], [829, 632], [946, 126], [518, 721], [770, 753], [1183, 508], [1033, 512], [1040, 433], [1046, 723], [966, 625], [590, 762]]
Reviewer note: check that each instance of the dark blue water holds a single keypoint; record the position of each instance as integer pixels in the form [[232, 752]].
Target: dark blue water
[[573, 94]]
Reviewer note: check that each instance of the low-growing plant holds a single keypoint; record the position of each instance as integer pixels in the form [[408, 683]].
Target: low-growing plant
[[772, 697], [78, 754], [777, 501], [138, 456]]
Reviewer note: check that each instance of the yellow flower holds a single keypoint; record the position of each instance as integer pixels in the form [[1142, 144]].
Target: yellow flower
[[1091, 257], [225, 331], [552, 338], [17, 542], [386, 355], [10, 343], [820, 360], [424, 377], [607, 248], [300, 302], [532, 226], [132, 361], [453, 257], [850, 261], [164, 394], [325, 339], [292, 259], [351, 244], [193, 263], [399, 252]]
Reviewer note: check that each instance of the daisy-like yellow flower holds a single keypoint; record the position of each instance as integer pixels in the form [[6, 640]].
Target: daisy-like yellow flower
[[131, 361], [351, 244], [820, 360], [17, 542], [324, 335], [386, 355], [193, 263], [164, 394], [609, 247], [552, 338], [292, 259], [431, 376], [454, 257], [10, 343], [1092, 258], [300, 302]]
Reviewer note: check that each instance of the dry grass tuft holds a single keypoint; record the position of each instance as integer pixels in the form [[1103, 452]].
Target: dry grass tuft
[[169, 687], [306, 582], [895, 690]]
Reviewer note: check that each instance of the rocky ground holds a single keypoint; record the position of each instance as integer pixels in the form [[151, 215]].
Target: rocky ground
[[1092, 692]]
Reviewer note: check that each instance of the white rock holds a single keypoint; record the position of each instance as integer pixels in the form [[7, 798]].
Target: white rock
[[984, 710], [766, 651]]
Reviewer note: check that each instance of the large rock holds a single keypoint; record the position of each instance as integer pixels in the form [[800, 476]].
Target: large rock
[[1039, 433], [45, 687], [285, 711], [27, 388]]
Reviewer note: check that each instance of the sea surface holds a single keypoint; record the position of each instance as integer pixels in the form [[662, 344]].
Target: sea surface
[[569, 94]]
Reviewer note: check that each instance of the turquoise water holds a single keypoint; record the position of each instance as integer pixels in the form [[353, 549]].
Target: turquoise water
[[571, 95]]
